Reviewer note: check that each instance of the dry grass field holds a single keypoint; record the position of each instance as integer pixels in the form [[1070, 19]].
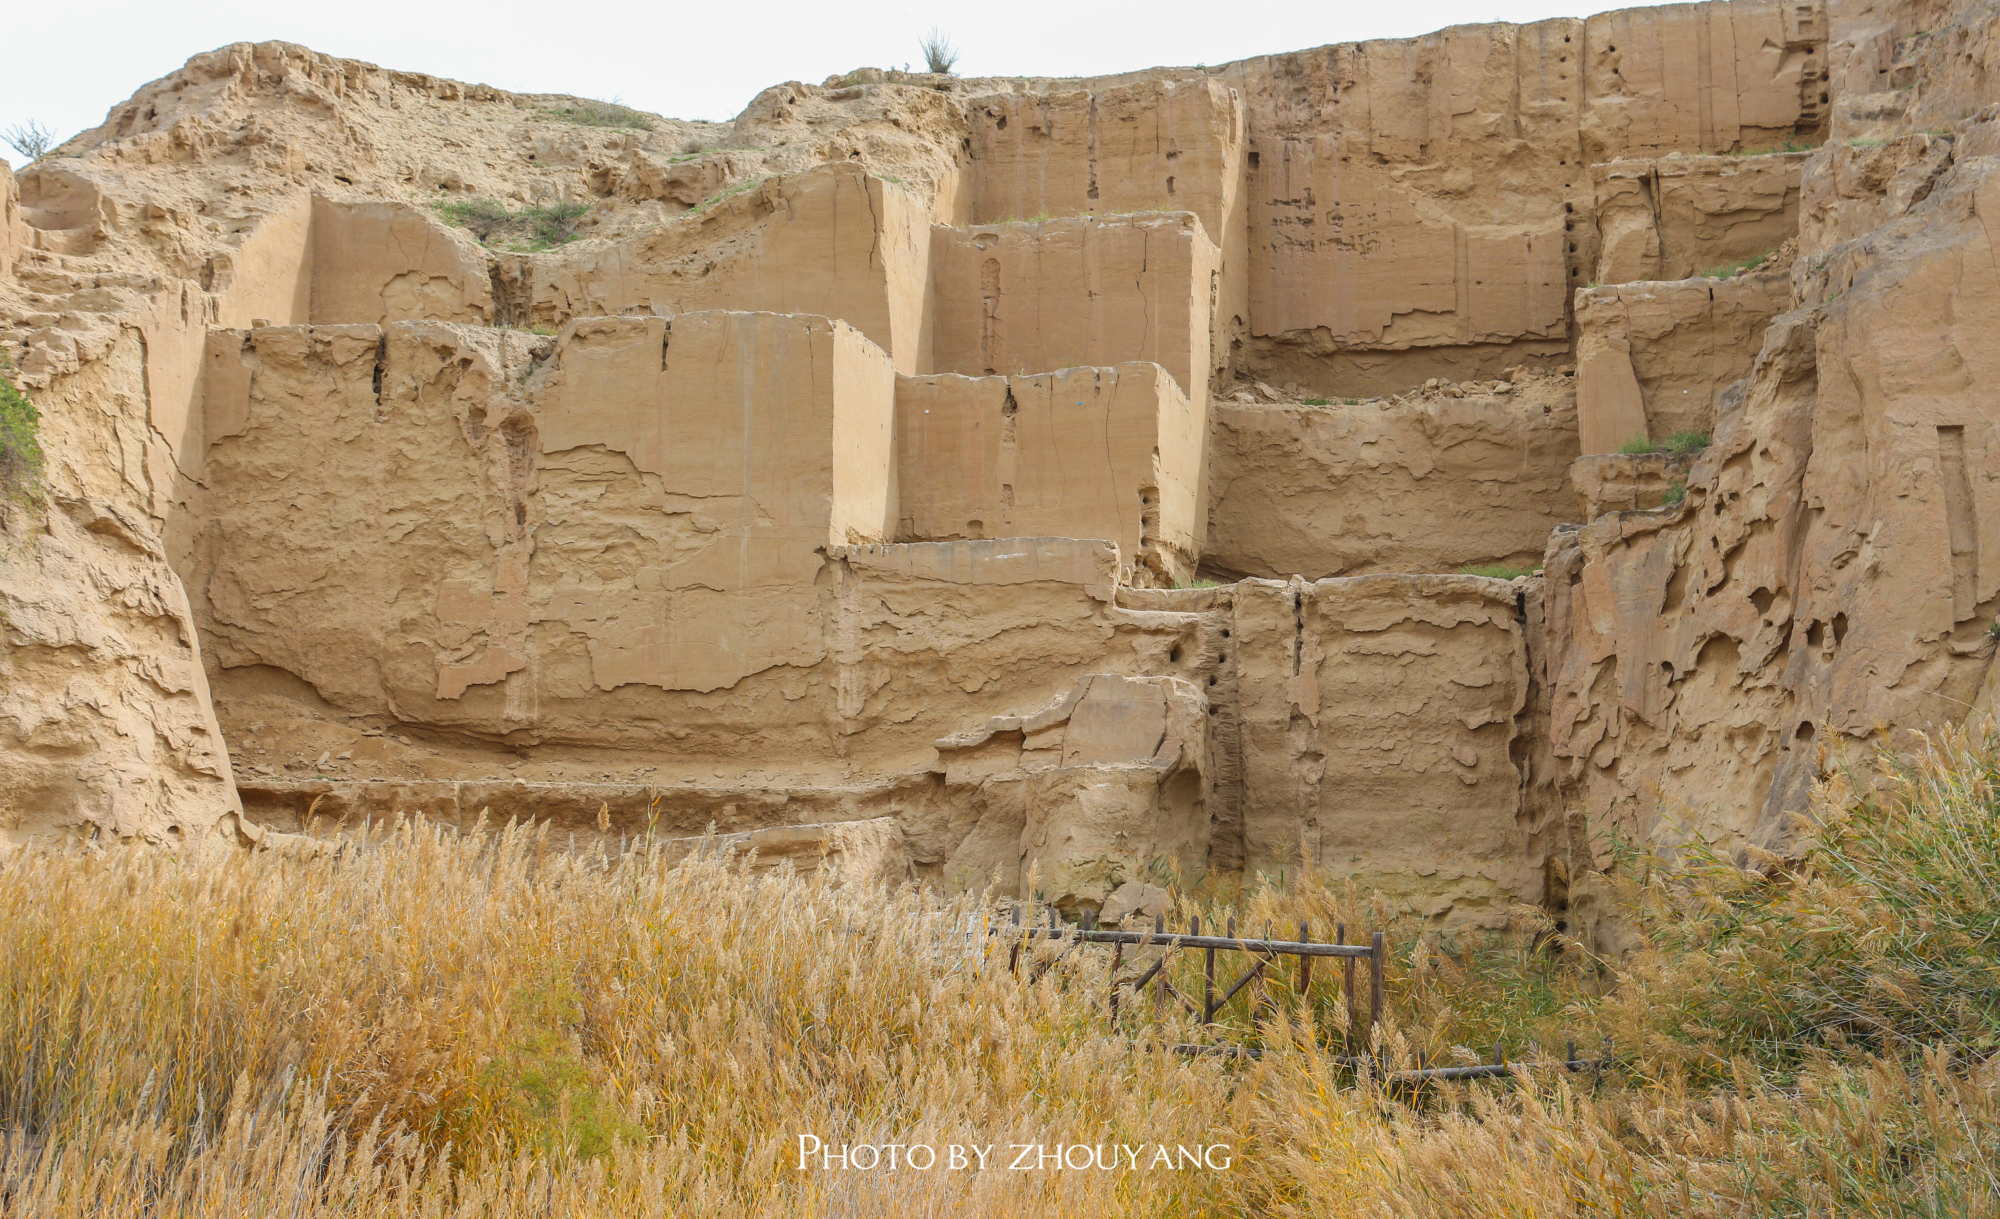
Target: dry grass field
[[427, 1023]]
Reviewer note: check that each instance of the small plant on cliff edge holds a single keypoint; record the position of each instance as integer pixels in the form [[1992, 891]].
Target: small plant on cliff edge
[[598, 114], [939, 54], [1674, 495], [30, 139], [1731, 270], [20, 437], [1685, 444], [1677, 444], [542, 225]]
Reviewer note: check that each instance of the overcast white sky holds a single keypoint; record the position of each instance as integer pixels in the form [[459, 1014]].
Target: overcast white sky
[[67, 64]]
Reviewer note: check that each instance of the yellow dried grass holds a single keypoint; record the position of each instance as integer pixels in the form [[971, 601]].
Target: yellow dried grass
[[426, 1023]]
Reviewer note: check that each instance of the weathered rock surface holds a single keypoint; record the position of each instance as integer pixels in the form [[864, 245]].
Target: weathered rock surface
[[827, 476], [1431, 482], [1654, 359]]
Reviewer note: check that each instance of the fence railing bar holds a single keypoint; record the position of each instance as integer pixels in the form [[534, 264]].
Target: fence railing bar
[[1482, 1071], [1294, 948], [1052, 962], [1208, 972]]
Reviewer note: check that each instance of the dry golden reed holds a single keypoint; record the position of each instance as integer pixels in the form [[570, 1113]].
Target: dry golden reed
[[429, 1023]]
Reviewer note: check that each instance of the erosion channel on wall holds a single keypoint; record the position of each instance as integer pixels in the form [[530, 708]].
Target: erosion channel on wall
[[1433, 459]]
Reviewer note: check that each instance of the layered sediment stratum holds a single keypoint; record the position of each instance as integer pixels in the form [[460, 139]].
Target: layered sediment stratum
[[1050, 483]]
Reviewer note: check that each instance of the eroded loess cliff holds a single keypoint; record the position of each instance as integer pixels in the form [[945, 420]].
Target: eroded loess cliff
[[1049, 483]]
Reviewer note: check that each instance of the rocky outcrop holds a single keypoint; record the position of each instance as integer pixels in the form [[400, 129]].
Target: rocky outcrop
[[1833, 568], [1434, 481], [1654, 359], [836, 476]]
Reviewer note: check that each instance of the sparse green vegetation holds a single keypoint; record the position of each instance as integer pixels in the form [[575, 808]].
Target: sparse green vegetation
[[598, 114], [535, 227], [1199, 582], [1677, 444], [1315, 402], [1675, 494], [939, 54], [719, 196], [1883, 937], [30, 139], [1732, 269], [1787, 146], [20, 437], [1496, 571]]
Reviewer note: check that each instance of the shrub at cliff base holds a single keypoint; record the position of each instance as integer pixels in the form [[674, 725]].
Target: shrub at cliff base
[[430, 1024]]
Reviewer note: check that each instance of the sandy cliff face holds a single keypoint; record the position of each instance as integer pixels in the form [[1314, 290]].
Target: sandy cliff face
[[838, 475]]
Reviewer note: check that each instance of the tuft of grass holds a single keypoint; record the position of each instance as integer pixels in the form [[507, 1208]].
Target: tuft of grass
[[1315, 402], [1200, 582], [1733, 269], [598, 114], [1496, 571], [939, 54], [720, 195], [30, 139], [1674, 494], [1677, 444], [533, 228], [1787, 146], [21, 456]]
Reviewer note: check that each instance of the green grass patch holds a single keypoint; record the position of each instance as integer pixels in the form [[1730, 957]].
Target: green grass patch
[[1202, 582], [20, 437], [1675, 494], [1496, 571], [1787, 146], [598, 114], [1677, 444], [1730, 270], [719, 196], [535, 227]]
